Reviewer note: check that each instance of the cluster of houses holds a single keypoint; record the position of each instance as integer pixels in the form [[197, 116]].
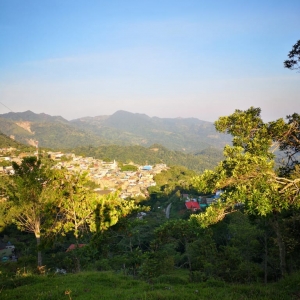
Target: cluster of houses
[[109, 177], [195, 203], [7, 155]]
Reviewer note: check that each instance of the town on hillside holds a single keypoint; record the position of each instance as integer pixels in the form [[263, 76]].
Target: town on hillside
[[107, 175]]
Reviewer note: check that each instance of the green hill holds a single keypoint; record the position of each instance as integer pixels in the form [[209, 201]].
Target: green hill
[[10, 128], [51, 132], [122, 128], [181, 134], [154, 154], [6, 141]]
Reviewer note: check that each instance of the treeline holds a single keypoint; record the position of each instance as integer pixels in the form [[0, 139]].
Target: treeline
[[205, 159]]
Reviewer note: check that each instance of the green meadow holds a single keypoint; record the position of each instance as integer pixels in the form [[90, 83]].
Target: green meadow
[[110, 285]]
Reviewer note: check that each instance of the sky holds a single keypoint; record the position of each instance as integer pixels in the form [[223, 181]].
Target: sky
[[200, 59]]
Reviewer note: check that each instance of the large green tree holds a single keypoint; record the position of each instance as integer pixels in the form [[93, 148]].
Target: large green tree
[[28, 198], [76, 204], [81, 210], [248, 175]]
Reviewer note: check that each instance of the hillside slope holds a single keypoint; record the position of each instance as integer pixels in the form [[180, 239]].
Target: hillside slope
[[6, 142], [181, 134], [50, 132], [153, 155], [122, 128]]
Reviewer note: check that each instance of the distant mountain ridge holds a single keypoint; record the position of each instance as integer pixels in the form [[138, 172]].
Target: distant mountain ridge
[[181, 134], [120, 128], [33, 117]]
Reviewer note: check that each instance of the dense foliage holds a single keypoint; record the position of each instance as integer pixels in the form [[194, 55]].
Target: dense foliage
[[248, 176]]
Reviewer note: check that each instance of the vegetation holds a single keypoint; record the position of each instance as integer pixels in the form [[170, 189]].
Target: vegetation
[[28, 198], [5, 163], [130, 168], [155, 248], [293, 63], [206, 159], [247, 175], [122, 128], [90, 285], [125, 128], [9, 128], [6, 142], [42, 200]]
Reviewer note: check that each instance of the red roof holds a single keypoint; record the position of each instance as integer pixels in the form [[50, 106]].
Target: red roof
[[192, 205]]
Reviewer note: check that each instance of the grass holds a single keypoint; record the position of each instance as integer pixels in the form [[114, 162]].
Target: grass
[[108, 285]]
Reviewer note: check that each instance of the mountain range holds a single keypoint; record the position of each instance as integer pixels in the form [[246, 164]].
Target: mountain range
[[188, 135]]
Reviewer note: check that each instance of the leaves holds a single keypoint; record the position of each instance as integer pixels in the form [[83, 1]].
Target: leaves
[[294, 58], [247, 173]]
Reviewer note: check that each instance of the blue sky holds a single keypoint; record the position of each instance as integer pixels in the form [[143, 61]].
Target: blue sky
[[199, 59]]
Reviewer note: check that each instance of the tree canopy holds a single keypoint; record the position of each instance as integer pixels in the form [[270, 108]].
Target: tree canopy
[[28, 197], [247, 174], [293, 63]]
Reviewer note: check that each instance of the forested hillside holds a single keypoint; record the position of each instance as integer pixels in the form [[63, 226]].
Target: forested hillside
[[206, 159], [121, 128], [9, 128], [6, 142], [50, 132], [181, 134]]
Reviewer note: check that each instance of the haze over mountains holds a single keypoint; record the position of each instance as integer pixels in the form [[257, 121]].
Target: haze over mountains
[[122, 128]]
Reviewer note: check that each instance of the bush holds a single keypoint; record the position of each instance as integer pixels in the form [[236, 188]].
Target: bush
[[170, 279], [198, 276], [103, 265], [155, 265]]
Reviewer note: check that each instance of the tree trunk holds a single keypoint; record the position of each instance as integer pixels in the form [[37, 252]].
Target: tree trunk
[[281, 246], [77, 258], [266, 258], [188, 255], [39, 253]]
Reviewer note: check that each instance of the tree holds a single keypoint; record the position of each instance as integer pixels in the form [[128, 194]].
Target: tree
[[80, 209], [110, 209], [290, 145], [247, 174], [83, 210], [28, 198], [293, 63], [132, 168], [76, 205]]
